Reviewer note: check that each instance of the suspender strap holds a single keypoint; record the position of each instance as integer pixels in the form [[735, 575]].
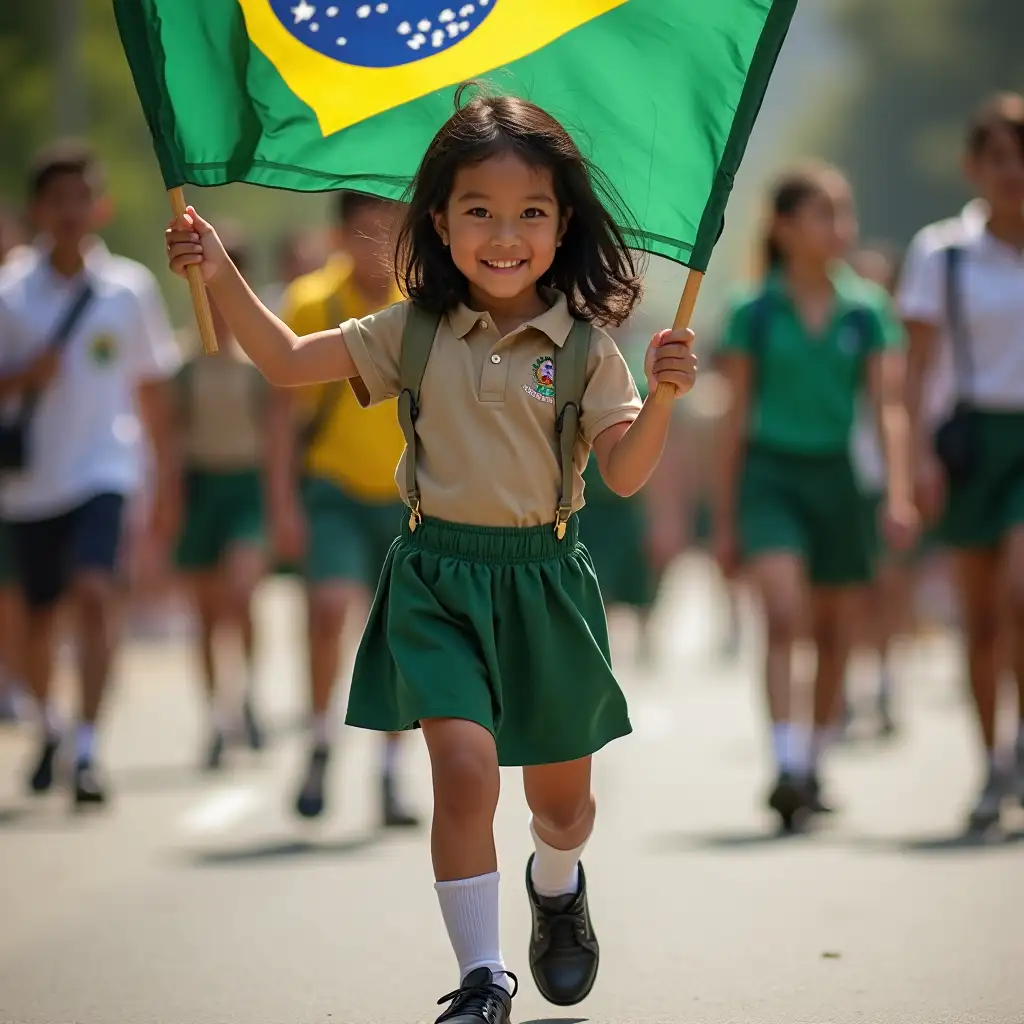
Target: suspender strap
[[417, 341], [570, 364], [956, 325]]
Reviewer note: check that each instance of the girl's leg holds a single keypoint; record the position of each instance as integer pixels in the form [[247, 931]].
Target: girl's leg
[[242, 569], [978, 582], [780, 581], [832, 611], [464, 767], [564, 953], [208, 600], [1013, 562]]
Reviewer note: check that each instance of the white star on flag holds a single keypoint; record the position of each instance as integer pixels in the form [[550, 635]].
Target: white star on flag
[[303, 11]]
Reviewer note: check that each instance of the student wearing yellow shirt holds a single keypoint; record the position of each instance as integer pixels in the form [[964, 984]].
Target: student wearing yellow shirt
[[333, 502]]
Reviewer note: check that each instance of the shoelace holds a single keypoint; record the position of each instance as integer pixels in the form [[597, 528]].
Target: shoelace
[[482, 999]]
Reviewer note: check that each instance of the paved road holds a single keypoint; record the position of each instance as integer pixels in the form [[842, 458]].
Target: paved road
[[203, 902]]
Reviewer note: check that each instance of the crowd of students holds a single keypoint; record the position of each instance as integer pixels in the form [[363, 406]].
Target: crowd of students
[[875, 418]]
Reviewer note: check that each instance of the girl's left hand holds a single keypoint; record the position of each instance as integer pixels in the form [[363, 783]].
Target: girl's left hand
[[670, 360], [901, 524]]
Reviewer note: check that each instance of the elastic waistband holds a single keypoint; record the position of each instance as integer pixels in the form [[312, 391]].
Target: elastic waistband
[[501, 545]]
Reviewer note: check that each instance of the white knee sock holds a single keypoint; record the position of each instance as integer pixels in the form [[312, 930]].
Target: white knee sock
[[555, 872], [470, 909]]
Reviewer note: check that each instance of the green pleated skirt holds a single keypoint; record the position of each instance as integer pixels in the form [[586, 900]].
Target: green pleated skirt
[[502, 627]]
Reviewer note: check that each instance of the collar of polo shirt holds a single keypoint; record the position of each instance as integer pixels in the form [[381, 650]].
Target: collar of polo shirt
[[555, 322]]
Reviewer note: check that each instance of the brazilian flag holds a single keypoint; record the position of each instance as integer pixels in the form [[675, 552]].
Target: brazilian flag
[[327, 94]]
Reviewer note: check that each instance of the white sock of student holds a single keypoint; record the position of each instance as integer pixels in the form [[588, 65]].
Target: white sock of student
[[820, 741], [85, 743], [52, 722], [470, 908], [555, 872], [321, 729]]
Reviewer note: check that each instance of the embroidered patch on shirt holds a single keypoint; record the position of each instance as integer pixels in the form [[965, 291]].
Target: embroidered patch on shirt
[[542, 387]]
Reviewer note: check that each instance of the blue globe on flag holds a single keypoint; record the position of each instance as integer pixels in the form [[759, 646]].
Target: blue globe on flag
[[380, 34]]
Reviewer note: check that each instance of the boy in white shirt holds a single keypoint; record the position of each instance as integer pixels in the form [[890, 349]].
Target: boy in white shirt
[[78, 395]]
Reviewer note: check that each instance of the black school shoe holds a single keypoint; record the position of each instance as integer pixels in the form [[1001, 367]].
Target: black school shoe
[[41, 779], [791, 801], [88, 786], [564, 954], [478, 999]]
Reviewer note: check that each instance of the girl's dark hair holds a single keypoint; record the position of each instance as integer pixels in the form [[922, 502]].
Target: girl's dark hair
[[1002, 111], [594, 267], [789, 192]]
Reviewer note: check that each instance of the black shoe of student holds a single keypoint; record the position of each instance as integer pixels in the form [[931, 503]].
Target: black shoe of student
[[41, 779], [814, 799], [564, 953], [88, 786], [215, 751], [254, 734], [887, 724], [310, 802], [394, 813], [790, 801], [478, 999]]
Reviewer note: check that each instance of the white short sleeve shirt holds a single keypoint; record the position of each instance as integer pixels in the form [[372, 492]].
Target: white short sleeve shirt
[[991, 291], [85, 437]]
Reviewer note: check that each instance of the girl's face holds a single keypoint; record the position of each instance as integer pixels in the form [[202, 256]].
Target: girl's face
[[502, 225], [824, 226], [997, 171]]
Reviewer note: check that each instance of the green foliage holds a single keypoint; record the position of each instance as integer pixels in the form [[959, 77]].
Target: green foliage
[[923, 67], [112, 122]]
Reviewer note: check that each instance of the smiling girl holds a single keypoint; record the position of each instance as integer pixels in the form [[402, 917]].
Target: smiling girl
[[488, 630]]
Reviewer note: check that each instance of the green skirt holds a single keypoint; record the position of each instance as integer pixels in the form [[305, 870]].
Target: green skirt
[[502, 627]]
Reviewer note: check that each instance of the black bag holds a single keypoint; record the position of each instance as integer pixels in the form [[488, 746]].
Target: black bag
[[956, 440], [14, 454]]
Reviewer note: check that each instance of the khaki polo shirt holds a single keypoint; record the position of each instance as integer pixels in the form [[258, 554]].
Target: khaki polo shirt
[[488, 451]]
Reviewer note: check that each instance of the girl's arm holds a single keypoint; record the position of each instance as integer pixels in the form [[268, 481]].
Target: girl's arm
[[285, 359], [737, 370], [886, 375], [628, 452], [929, 478]]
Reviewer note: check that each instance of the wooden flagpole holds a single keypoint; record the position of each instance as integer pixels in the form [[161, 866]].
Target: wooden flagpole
[[684, 313], [200, 300]]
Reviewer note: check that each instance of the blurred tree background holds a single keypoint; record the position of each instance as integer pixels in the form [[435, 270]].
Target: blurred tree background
[[892, 85]]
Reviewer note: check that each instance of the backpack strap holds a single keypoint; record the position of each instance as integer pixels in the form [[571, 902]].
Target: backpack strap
[[955, 323], [417, 341], [570, 365]]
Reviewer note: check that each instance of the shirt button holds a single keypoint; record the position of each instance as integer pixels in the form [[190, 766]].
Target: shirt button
[[482, 324], [495, 359]]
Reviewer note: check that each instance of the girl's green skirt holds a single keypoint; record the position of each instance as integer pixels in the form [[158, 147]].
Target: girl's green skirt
[[503, 627]]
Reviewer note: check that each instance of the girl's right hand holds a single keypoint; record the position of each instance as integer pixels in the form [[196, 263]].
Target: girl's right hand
[[192, 241]]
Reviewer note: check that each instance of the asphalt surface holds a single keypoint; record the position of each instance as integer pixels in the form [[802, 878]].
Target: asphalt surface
[[203, 901]]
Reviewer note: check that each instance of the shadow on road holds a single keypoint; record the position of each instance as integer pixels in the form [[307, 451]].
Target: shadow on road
[[557, 1020], [673, 842], [964, 842], [41, 816], [282, 850]]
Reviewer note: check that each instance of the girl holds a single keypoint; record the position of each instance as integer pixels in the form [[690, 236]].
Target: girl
[[964, 298], [487, 629], [221, 405], [797, 355]]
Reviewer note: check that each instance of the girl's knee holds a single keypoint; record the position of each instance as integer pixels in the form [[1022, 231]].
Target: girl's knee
[[466, 783], [564, 813]]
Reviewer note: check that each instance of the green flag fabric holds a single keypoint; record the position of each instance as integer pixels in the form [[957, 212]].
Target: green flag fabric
[[311, 95]]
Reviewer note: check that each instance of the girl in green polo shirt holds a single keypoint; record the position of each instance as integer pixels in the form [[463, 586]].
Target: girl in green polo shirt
[[798, 353]]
